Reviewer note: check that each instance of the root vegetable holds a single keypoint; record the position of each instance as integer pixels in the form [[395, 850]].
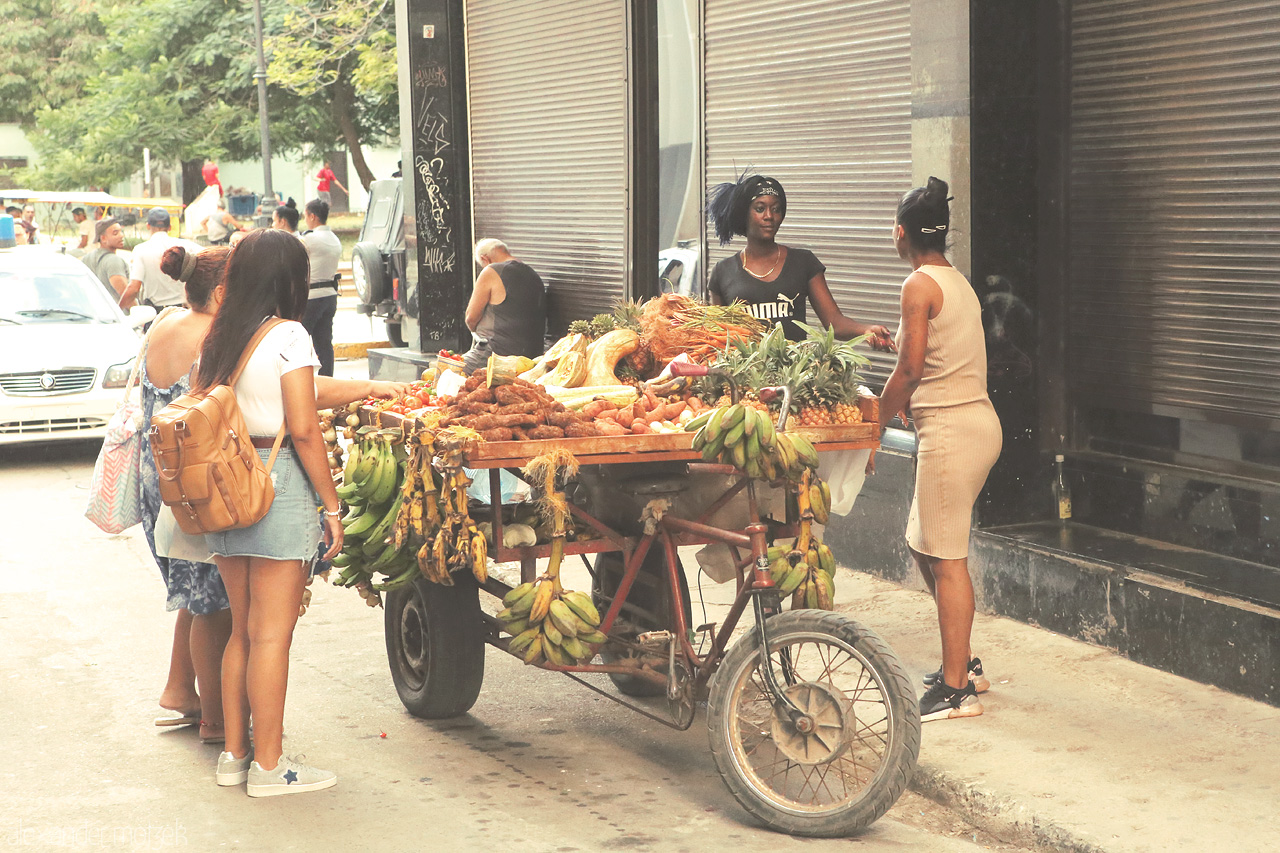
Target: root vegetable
[[641, 428], [353, 420], [611, 427]]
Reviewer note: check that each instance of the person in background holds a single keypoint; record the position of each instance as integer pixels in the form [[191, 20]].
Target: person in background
[[220, 224], [264, 565], [195, 590], [940, 380], [324, 250], [146, 280], [85, 226], [108, 266], [285, 217], [19, 233], [209, 171], [507, 313], [29, 224], [324, 178], [776, 282]]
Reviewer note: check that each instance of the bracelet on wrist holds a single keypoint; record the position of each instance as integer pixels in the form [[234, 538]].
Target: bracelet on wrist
[[333, 513]]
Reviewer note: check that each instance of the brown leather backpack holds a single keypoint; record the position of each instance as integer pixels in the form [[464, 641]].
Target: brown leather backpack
[[210, 473]]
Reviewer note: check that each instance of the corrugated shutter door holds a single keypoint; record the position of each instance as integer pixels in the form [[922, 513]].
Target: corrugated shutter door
[[818, 94], [547, 86], [1175, 207]]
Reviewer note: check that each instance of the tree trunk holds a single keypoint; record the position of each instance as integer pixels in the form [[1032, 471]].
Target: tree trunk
[[192, 180], [343, 113]]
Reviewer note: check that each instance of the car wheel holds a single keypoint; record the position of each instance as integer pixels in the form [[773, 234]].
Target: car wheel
[[394, 335], [368, 273]]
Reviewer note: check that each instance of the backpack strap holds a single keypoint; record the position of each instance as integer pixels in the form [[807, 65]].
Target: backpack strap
[[267, 325]]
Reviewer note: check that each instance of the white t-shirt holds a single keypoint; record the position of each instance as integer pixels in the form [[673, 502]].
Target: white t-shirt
[[285, 348], [157, 287]]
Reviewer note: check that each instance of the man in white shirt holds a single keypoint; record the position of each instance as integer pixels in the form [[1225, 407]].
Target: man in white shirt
[[146, 280], [85, 226], [324, 250]]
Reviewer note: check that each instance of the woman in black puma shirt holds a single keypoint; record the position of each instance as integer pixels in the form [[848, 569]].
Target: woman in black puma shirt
[[775, 280]]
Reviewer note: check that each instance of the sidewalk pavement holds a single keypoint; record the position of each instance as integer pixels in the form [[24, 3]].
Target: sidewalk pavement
[[1080, 749]]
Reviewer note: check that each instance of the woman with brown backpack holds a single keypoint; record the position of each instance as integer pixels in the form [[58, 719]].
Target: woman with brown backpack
[[264, 565]]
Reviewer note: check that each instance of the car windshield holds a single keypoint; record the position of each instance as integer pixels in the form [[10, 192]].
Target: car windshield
[[53, 296]]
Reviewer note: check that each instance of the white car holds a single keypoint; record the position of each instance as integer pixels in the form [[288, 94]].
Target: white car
[[66, 348]]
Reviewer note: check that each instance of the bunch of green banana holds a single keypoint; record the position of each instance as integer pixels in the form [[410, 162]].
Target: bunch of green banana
[[551, 624], [808, 577], [374, 496], [744, 436]]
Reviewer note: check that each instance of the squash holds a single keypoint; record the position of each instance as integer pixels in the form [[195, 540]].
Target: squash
[[503, 369], [561, 348], [603, 356], [568, 372], [575, 398]]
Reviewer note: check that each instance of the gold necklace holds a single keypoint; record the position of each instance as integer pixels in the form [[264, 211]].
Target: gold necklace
[[777, 254]]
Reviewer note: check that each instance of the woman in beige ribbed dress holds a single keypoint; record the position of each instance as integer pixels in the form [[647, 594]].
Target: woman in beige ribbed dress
[[941, 381]]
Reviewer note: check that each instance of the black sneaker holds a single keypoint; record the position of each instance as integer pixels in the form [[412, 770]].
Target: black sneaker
[[942, 702], [980, 682]]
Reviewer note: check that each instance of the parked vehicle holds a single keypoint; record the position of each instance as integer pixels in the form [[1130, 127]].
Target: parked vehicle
[[66, 348], [378, 258]]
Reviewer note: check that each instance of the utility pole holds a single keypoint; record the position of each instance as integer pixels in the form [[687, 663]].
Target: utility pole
[[269, 199]]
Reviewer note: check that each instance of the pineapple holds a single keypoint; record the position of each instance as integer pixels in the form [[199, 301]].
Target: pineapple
[[580, 327]]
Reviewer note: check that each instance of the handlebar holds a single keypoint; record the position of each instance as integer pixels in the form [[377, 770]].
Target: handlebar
[[688, 368]]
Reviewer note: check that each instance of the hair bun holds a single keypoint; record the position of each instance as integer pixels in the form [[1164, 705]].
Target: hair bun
[[936, 187], [172, 261]]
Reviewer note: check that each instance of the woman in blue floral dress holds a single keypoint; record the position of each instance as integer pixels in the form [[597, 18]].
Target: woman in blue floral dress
[[195, 589]]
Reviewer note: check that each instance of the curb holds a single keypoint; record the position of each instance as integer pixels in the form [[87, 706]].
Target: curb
[[1004, 817], [357, 350]]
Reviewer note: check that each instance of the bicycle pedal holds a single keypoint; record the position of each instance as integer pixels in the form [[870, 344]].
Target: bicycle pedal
[[656, 639]]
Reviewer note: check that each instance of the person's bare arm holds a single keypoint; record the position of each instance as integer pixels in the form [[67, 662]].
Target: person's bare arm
[[921, 299], [480, 297], [130, 295], [299, 390], [340, 186], [829, 314], [118, 283], [332, 392], [84, 241]]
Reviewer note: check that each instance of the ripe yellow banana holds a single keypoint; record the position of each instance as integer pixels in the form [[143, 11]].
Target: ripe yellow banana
[[533, 652], [479, 557], [522, 641], [541, 601]]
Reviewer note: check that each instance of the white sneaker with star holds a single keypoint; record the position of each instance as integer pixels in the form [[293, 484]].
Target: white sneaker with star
[[290, 776]]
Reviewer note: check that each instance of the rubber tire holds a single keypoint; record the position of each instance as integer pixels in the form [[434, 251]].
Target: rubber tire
[[444, 623], [904, 736], [369, 274], [651, 592], [394, 335]]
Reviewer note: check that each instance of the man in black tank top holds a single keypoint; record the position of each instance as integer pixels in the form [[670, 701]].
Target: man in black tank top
[[507, 314]]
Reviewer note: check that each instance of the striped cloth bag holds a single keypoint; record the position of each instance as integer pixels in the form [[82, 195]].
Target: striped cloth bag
[[115, 492]]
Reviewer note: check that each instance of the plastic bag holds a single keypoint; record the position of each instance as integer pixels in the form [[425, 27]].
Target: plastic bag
[[845, 471]]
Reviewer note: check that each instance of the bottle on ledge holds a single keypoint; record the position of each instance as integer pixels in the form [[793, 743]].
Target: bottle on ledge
[[1062, 492]]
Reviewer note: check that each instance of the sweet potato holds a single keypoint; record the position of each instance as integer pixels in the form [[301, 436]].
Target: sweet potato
[[641, 405], [595, 408], [610, 427], [609, 414], [696, 405], [639, 427], [671, 411], [626, 415], [651, 399]]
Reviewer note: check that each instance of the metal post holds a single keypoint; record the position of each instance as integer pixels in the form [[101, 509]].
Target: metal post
[[268, 203]]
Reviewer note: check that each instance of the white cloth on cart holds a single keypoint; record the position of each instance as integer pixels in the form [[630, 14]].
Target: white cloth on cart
[[845, 471]]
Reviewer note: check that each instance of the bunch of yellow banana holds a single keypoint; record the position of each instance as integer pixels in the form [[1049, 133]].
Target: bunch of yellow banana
[[820, 499], [744, 436], [551, 624], [808, 577]]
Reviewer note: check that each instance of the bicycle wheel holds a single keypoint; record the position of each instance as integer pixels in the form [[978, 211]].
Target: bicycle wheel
[[850, 757]]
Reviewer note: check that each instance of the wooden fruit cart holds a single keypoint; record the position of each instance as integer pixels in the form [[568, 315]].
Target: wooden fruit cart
[[833, 703]]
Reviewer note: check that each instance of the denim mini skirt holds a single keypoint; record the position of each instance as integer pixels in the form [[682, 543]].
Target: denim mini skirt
[[290, 530]]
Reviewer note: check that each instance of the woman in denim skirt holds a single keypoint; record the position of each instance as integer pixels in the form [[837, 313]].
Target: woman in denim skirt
[[264, 566]]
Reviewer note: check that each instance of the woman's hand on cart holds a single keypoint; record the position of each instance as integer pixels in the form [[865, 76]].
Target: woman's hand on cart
[[333, 532]]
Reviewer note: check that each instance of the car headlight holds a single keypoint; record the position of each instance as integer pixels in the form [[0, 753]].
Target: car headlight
[[118, 374]]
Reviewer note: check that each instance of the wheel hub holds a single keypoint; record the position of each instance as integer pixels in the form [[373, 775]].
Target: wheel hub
[[822, 732], [413, 638]]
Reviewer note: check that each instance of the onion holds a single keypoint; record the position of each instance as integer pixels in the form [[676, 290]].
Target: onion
[[330, 435], [353, 420]]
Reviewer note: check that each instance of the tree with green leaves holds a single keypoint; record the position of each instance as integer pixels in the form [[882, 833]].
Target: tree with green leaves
[[342, 51], [176, 76], [48, 49]]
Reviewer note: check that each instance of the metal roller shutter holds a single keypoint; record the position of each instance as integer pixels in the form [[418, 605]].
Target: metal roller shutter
[[817, 93], [1175, 207], [547, 85]]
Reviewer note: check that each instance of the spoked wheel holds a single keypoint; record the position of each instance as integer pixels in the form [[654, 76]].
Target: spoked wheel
[[435, 645], [838, 767]]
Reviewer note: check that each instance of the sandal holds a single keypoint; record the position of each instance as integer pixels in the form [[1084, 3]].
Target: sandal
[[220, 737]]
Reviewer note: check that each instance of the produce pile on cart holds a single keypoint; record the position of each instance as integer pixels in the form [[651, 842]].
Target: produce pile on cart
[[659, 425]]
